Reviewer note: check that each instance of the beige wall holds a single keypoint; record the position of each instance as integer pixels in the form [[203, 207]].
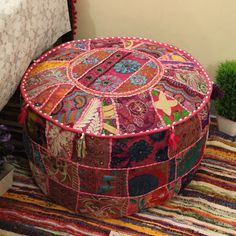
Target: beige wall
[[204, 28]]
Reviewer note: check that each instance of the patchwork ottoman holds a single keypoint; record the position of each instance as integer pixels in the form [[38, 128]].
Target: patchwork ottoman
[[114, 125]]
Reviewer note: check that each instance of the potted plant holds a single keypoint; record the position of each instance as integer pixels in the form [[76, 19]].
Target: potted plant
[[6, 170], [226, 106]]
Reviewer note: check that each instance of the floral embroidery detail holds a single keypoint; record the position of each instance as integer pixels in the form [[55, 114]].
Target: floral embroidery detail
[[80, 101], [137, 108], [162, 155], [140, 56], [91, 60], [127, 66], [152, 64], [59, 141], [151, 49], [101, 206], [80, 45], [106, 43], [202, 87], [140, 150], [193, 79], [180, 98], [58, 166], [107, 83], [138, 80], [62, 171]]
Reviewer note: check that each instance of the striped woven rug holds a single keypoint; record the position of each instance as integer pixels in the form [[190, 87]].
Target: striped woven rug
[[206, 207]]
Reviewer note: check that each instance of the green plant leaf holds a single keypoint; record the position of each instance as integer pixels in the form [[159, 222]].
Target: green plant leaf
[[226, 79]]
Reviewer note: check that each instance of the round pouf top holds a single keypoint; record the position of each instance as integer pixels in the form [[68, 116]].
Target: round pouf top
[[115, 125]]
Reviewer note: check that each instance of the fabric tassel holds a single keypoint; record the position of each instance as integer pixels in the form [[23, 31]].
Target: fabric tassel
[[217, 92], [23, 115], [173, 140], [81, 147]]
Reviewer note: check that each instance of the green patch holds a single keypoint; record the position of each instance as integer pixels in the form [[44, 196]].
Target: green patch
[[177, 116], [185, 113], [190, 159], [167, 120], [105, 132], [155, 92], [140, 202]]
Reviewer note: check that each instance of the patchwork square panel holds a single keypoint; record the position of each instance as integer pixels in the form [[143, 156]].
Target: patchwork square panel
[[115, 125], [150, 177], [110, 182]]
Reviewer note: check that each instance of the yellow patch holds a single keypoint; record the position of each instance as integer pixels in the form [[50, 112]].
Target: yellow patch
[[110, 128], [164, 104], [108, 112], [47, 65]]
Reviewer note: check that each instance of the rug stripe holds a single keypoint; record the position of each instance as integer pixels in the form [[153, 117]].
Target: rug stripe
[[188, 223]]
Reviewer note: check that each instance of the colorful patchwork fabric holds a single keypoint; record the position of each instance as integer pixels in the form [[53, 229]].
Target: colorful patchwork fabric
[[115, 125]]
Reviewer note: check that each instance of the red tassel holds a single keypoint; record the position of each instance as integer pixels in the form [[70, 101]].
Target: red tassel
[[23, 115], [173, 140]]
